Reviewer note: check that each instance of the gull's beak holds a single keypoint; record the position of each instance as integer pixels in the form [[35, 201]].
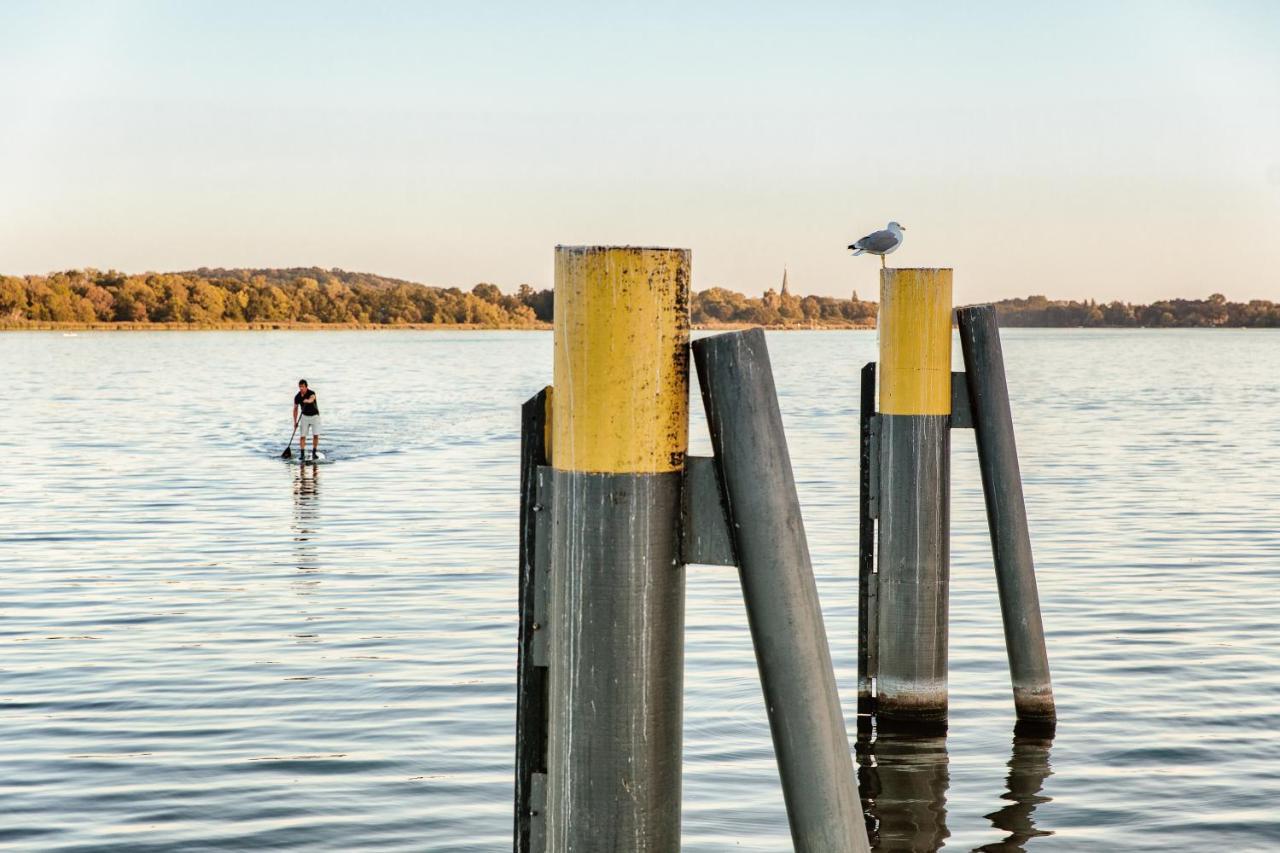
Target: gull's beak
[[902, 227]]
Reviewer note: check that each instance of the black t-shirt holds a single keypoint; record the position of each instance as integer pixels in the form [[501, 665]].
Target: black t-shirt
[[309, 408]]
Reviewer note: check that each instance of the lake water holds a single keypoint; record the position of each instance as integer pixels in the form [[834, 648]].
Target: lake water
[[205, 648]]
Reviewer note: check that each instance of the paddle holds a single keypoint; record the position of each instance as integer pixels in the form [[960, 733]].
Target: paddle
[[288, 448]]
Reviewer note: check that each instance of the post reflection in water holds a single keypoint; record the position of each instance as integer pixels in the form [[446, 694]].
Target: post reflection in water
[[306, 512], [1028, 768], [903, 780]]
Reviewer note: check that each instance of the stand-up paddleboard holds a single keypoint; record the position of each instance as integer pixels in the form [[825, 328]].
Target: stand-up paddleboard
[[311, 460]]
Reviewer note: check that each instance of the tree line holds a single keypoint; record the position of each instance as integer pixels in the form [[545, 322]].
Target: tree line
[[1166, 313], [214, 297], [218, 297], [280, 297]]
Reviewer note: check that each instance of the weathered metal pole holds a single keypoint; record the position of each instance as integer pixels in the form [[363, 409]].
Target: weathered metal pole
[[763, 510], [619, 436], [1006, 514], [868, 638], [914, 479], [531, 672]]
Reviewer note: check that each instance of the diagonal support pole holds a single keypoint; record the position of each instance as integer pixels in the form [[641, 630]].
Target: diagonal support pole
[[1006, 514], [781, 595]]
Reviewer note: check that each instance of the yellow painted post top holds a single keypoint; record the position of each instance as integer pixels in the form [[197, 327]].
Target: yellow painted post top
[[621, 401], [915, 341]]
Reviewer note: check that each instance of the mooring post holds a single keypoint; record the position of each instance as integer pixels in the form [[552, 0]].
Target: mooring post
[[619, 436], [914, 485], [1006, 514], [783, 611]]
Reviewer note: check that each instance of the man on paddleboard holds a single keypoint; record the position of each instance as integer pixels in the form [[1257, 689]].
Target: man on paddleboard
[[305, 400]]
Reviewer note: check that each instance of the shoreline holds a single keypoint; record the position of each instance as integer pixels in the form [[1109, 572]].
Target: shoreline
[[369, 327], [475, 327]]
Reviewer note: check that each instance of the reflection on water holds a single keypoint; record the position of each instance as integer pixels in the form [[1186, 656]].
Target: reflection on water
[[306, 490], [306, 513], [231, 655], [903, 780], [1028, 768]]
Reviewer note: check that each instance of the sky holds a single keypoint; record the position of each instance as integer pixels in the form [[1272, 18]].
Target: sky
[[1119, 150]]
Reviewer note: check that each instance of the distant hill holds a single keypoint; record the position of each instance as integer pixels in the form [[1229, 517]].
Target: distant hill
[[311, 296], [1166, 313], [284, 276]]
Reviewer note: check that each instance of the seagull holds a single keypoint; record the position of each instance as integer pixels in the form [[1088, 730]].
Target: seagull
[[880, 242]]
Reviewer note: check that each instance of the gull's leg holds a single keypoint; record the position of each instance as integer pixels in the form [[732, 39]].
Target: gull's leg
[[882, 262]]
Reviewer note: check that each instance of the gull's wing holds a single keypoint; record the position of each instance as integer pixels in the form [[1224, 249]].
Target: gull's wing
[[877, 241]]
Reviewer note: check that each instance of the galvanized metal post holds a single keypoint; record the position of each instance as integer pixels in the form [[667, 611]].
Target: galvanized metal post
[[531, 677], [763, 510], [1006, 514], [914, 479], [619, 436], [867, 600]]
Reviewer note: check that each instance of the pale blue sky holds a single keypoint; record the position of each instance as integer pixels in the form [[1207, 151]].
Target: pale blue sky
[[1115, 150]]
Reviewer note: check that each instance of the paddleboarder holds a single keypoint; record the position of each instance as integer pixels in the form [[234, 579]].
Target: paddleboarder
[[305, 400]]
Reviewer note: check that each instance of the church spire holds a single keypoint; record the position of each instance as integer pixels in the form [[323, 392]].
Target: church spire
[[785, 292]]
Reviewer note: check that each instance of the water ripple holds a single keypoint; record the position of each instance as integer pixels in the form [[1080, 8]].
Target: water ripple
[[203, 648]]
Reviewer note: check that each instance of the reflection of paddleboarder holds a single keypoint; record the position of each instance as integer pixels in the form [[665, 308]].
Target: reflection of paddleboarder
[[309, 422]]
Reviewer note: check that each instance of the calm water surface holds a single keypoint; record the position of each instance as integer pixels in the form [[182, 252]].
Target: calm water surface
[[205, 648]]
